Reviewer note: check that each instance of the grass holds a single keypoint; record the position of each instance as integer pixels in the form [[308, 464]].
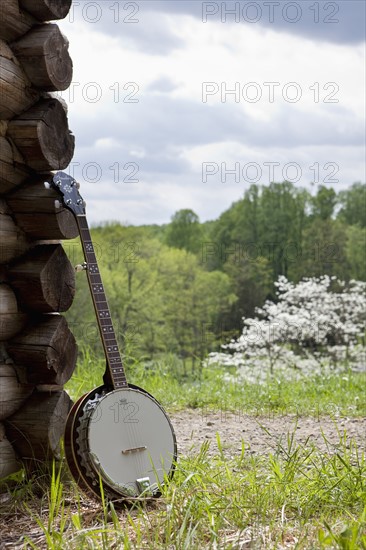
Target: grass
[[297, 495], [336, 394]]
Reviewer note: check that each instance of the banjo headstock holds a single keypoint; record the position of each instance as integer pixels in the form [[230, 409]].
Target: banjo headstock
[[68, 189]]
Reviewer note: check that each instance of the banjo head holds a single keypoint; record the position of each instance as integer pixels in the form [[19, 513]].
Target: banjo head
[[125, 438]]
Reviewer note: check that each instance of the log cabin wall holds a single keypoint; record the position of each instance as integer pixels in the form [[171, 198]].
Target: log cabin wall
[[37, 349]]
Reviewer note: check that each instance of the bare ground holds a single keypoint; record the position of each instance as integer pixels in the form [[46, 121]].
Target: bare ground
[[262, 435]]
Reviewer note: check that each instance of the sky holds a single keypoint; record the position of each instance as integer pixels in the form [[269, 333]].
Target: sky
[[185, 104]]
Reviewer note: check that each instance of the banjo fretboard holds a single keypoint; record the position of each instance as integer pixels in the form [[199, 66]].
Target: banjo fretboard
[[108, 336]]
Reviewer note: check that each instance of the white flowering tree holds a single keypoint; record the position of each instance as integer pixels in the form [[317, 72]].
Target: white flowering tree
[[316, 322]]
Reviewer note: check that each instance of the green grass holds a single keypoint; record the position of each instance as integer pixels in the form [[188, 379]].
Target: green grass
[[336, 394], [296, 497]]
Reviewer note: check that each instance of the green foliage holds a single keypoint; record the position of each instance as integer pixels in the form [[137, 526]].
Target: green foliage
[[324, 202], [324, 250], [184, 288], [356, 252], [353, 205], [281, 229], [185, 231], [162, 299]]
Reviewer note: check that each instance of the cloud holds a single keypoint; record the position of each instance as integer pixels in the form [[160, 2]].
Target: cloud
[[154, 26], [166, 123], [143, 132], [162, 85], [341, 22], [134, 27]]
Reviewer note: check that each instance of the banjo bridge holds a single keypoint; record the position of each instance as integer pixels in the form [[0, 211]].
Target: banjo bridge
[[133, 450]]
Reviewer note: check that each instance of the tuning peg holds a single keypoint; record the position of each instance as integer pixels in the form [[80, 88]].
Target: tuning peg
[[57, 204], [47, 185], [81, 267], [77, 184]]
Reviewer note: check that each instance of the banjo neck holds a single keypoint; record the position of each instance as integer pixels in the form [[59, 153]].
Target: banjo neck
[[115, 368], [68, 189]]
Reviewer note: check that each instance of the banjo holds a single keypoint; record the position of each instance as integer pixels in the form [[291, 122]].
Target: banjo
[[118, 438]]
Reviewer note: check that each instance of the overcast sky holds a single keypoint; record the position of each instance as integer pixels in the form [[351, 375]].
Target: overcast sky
[[184, 104]]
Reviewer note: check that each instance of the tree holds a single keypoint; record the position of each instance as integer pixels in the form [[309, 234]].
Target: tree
[[185, 231], [161, 299], [353, 205], [282, 222], [252, 283], [320, 320], [356, 252], [323, 250], [193, 301], [324, 203]]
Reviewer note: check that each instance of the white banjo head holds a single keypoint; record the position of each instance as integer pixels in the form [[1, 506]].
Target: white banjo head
[[130, 441]]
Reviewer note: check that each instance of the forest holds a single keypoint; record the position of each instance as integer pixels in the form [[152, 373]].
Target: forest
[[182, 289]]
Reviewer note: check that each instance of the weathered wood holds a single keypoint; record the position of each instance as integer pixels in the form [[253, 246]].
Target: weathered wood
[[36, 429], [43, 54], [44, 10], [13, 171], [46, 270], [42, 136], [14, 21], [8, 460], [13, 241], [13, 389], [12, 320], [47, 348], [17, 93], [49, 222]]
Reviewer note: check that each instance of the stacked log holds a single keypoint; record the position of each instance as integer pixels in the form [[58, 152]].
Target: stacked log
[[37, 349]]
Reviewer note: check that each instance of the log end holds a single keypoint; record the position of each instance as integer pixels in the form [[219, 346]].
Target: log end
[[13, 391], [12, 321], [13, 171], [47, 348], [44, 55], [35, 431], [46, 10], [43, 137], [13, 242], [48, 272], [8, 460]]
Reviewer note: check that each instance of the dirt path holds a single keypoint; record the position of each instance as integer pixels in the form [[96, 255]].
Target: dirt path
[[262, 434]]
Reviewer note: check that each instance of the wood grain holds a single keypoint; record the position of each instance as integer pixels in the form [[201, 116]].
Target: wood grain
[[49, 223], [44, 56], [8, 460], [13, 171], [44, 10], [13, 390], [17, 93], [47, 348], [14, 21], [12, 320], [13, 241], [42, 136], [36, 429], [47, 270]]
